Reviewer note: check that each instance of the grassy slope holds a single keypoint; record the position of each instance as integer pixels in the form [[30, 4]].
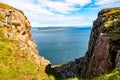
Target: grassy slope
[[14, 63], [20, 65], [17, 64]]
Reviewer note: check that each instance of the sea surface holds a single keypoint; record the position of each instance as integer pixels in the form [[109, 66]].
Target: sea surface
[[61, 45]]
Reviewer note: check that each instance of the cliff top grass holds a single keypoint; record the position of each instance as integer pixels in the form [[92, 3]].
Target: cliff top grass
[[110, 11], [111, 18]]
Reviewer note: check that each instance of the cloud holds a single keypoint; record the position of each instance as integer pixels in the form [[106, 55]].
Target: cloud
[[63, 6], [59, 7], [78, 2], [51, 13], [106, 2]]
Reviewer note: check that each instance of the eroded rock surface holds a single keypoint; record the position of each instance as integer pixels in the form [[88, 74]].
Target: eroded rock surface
[[104, 44], [17, 26]]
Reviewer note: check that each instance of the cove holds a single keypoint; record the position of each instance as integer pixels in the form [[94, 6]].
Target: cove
[[63, 44]]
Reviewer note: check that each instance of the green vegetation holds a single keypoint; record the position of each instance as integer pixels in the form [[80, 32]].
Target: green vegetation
[[115, 37], [53, 75], [60, 65], [109, 24], [111, 18], [114, 75], [111, 13], [17, 64]]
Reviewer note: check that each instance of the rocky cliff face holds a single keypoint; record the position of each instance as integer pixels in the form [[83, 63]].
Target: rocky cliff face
[[104, 45], [15, 25]]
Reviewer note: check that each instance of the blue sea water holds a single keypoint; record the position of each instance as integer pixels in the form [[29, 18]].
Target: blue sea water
[[63, 44]]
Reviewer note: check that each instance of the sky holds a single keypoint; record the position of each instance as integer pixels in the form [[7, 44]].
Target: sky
[[45, 13]]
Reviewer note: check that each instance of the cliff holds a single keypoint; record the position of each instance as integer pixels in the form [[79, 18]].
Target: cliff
[[19, 57], [103, 54], [104, 45]]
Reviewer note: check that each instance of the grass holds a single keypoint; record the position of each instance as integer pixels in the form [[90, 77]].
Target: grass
[[115, 37], [60, 65], [111, 13], [53, 75], [20, 65], [109, 24], [16, 64], [79, 77], [114, 75]]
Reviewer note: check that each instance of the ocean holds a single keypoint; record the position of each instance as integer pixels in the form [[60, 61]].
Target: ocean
[[61, 45]]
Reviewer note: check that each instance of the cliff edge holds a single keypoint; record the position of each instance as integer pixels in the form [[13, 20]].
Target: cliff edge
[[104, 45], [19, 57]]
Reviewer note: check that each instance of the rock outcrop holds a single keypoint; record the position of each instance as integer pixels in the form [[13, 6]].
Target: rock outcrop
[[104, 45], [70, 69], [15, 25], [103, 52]]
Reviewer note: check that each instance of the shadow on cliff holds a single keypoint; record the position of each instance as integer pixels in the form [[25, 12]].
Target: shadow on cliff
[[53, 75]]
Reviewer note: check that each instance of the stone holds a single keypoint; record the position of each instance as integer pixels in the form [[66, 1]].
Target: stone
[[18, 27], [103, 51]]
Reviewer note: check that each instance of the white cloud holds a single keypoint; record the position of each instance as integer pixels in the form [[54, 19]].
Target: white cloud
[[79, 2], [43, 13], [57, 6], [106, 2], [65, 6], [102, 4]]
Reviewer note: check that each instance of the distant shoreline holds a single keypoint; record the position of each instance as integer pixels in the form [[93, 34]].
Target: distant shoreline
[[56, 28]]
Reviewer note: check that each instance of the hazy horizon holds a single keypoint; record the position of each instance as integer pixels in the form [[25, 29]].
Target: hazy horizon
[[62, 26]]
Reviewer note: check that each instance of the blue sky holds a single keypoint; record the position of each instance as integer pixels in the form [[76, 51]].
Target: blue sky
[[43, 13]]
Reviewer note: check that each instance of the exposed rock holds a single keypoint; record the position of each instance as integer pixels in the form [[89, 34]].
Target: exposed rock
[[67, 70], [104, 45], [70, 69], [17, 26]]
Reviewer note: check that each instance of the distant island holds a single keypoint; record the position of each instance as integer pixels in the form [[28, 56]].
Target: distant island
[[50, 28], [60, 27]]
